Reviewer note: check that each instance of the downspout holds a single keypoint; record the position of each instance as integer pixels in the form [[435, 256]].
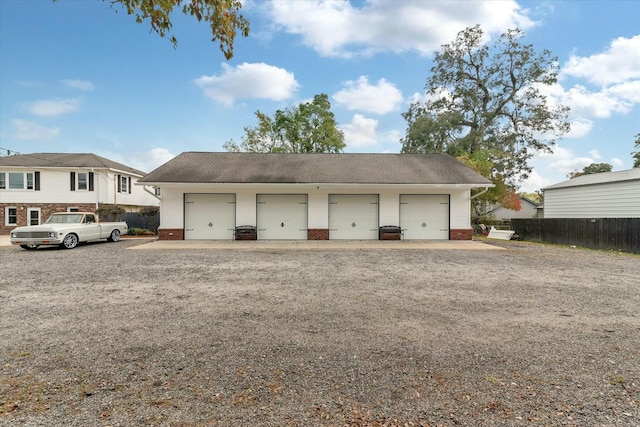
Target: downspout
[[480, 193], [473, 197]]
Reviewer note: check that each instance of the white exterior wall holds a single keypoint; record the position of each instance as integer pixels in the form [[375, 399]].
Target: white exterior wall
[[55, 188], [460, 210], [172, 208], [607, 200]]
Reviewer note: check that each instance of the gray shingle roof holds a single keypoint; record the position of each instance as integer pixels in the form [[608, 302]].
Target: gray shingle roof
[[65, 160], [598, 178], [206, 167]]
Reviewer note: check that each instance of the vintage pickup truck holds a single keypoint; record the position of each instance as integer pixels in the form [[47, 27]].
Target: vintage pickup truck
[[67, 229]]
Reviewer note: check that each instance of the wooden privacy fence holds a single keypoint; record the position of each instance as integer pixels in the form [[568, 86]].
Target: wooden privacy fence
[[620, 234], [136, 220]]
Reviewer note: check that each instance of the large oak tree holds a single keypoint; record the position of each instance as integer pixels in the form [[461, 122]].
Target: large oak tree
[[485, 102]]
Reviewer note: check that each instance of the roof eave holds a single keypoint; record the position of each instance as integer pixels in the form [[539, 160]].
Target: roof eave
[[313, 184]]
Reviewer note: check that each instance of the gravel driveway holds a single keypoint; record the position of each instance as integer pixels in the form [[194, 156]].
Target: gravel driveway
[[530, 335]]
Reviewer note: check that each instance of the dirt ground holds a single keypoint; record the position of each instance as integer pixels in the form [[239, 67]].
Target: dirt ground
[[530, 335]]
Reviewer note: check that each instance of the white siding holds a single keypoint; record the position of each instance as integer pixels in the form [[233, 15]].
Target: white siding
[[460, 210], [609, 200], [172, 207], [55, 187]]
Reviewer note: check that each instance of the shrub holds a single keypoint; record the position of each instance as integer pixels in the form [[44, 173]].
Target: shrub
[[139, 232], [109, 212]]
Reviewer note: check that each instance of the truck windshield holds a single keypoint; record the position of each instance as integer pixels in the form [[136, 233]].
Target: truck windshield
[[64, 219]]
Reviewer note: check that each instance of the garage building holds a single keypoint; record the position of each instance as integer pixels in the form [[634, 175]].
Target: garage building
[[314, 196]]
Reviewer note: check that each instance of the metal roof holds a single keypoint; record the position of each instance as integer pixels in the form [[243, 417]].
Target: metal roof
[[599, 178], [208, 167], [65, 160]]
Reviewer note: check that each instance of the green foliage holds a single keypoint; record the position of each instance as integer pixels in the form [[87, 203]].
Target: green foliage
[[482, 162], [636, 154], [487, 99], [535, 197], [139, 232], [223, 17], [309, 127], [591, 169], [149, 211], [109, 211]]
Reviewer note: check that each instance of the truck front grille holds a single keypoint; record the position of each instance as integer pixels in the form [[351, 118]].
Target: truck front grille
[[32, 234]]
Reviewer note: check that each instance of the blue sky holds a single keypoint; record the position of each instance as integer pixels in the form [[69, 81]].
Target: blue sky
[[77, 77]]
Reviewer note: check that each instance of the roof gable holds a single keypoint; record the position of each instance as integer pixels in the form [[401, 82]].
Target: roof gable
[[207, 167], [66, 160]]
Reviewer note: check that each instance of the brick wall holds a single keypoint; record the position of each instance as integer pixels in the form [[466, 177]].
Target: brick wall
[[461, 234], [318, 234], [170, 234], [46, 209]]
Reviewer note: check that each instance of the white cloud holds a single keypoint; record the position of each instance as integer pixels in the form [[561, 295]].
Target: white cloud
[[534, 182], [616, 162], [255, 81], [53, 107], [337, 28], [628, 91], [619, 63], [381, 98], [579, 128], [595, 154], [78, 84], [27, 130], [586, 103], [569, 165], [361, 132], [151, 159]]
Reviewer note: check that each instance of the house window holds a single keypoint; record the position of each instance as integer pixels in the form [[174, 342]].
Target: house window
[[82, 181], [34, 216], [73, 209], [123, 184], [19, 180], [16, 181], [11, 216]]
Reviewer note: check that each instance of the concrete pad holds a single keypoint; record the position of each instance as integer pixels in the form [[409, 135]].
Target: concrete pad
[[316, 244]]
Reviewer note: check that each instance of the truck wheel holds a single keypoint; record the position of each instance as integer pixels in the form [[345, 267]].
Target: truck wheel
[[29, 247], [70, 241], [115, 236]]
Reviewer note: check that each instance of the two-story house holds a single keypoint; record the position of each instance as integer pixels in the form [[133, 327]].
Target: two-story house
[[32, 186]]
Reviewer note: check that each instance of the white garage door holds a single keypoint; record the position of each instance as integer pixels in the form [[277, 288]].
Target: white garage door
[[282, 216], [353, 216], [209, 216], [424, 217]]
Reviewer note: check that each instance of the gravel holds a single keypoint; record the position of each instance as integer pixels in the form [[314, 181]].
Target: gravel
[[530, 335]]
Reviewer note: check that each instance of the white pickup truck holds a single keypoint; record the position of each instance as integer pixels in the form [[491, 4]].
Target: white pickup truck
[[67, 229]]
